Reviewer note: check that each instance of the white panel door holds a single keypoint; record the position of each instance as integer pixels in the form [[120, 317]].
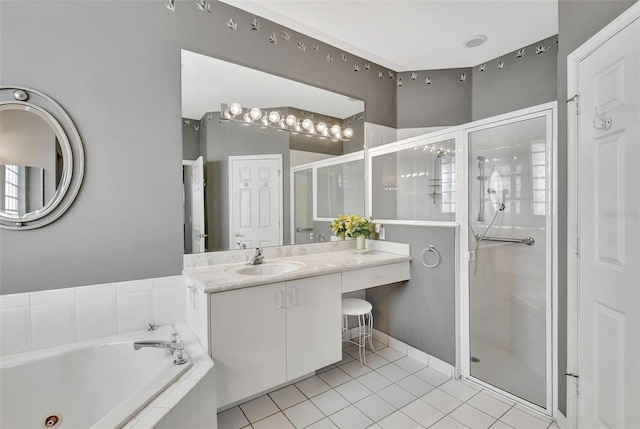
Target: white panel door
[[197, 206], [314, 307], [255, 201], [608, 209]]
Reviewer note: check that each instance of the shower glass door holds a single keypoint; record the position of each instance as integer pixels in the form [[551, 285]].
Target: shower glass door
[[509, 272]]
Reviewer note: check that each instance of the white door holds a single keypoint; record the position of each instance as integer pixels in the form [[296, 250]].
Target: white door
[[255, 201], [197, 206], [608, 214]]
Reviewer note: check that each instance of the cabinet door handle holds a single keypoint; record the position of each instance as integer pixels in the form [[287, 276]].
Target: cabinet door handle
[[279, 299], [293, 296]]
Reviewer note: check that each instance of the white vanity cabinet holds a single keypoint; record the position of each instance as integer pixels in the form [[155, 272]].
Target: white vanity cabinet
[[314, 310], [266, 335]]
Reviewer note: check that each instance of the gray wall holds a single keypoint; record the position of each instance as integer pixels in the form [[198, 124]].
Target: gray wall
[[115, 68], [577, 22], [446, 101], [421, 312], [226, 139], [523, 82]]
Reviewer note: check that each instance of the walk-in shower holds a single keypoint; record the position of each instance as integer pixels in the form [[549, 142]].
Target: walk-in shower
[[509, 280]]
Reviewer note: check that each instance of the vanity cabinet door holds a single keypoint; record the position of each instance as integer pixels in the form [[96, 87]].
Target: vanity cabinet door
[[314, 307], [248, 343]]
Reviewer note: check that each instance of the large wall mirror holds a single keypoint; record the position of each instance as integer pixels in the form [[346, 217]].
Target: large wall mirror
[[252, 146], [41, 159]]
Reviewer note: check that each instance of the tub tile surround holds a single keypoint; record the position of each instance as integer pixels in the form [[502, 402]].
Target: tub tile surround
[[36, 320], [209, 271]]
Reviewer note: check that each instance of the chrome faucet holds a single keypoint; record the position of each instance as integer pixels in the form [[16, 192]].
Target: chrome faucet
[[258, 258], [176, 348]]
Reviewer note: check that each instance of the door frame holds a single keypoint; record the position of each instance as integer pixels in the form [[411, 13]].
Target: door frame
[[573, 68], [276, 156]]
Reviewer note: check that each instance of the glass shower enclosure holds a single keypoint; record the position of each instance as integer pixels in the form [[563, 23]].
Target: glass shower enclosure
[[509, 243]]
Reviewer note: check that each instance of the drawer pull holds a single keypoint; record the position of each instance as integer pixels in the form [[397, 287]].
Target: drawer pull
[[294, 299], [375, 277]]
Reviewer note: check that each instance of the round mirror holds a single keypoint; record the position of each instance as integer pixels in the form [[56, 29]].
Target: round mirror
[[37, 160]]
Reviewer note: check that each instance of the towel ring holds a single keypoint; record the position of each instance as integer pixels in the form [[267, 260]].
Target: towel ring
[[423, 254]]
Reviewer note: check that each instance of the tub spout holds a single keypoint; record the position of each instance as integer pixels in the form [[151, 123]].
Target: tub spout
[[158, 344], [176, 349]]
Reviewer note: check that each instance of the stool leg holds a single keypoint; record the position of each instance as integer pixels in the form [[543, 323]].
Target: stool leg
[[362, 332], [371, 331]]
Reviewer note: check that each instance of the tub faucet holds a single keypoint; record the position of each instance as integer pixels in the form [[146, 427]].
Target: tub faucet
[[176, 348], [258, 258]]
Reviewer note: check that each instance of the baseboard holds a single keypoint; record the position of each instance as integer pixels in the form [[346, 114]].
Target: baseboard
[[422, 357]]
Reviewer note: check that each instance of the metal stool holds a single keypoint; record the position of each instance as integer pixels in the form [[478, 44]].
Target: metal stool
[[361, 309]]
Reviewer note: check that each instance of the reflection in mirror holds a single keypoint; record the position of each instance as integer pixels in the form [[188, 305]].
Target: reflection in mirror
[[248, 169], [417, 183], [31, 161]]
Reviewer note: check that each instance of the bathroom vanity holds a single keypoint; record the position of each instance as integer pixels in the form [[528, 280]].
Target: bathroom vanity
[[273, 323]]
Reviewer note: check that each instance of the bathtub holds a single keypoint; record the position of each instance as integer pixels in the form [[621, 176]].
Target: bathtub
[[94, 384]]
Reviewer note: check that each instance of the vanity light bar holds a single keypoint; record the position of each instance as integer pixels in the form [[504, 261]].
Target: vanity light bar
[[234, 112]]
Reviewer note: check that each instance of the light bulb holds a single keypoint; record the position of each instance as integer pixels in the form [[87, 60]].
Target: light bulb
[[324, 132], [321, 127], [265, 120], [335, 130], [255, 113], [274, 117], [307, 124], [235, 109], [291, 120], [348, 132]]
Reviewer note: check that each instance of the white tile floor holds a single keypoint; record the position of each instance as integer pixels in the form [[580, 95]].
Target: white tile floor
[[393, 392]]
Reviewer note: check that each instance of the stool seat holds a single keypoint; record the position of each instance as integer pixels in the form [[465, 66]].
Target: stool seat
[[355, 307], [363, 311]]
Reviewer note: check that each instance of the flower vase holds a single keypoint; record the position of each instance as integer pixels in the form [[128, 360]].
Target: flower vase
[[341, 236], [360, 242]]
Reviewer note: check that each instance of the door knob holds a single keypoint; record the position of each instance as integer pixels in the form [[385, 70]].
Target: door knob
[[204, 235], [237, 234]]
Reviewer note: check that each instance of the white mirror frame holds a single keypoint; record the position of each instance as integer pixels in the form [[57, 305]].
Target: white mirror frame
[[73, 157]]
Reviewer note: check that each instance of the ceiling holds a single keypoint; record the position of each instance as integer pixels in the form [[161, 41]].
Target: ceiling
[[418, 34]]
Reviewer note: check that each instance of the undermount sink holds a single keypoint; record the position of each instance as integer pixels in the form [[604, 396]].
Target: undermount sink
[[267, 268]]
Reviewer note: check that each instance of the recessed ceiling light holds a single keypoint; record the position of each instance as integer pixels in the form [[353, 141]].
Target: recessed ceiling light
[[475, 41]]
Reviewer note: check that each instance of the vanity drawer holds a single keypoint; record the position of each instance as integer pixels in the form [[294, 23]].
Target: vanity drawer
[[374, 276]]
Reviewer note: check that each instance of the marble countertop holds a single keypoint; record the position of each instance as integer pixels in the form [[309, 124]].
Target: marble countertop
[[219, 278]]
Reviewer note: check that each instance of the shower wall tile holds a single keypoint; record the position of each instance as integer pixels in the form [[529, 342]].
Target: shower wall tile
[[36, 320], [53, 324]]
